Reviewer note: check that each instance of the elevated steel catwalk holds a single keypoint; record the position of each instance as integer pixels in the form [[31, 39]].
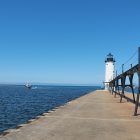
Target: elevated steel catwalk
[[119, 88]]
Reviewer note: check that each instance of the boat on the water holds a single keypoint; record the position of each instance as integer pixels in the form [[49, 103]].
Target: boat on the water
[[27, 85]]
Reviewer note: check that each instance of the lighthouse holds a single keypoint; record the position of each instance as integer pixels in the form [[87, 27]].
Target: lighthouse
[[109, 70]]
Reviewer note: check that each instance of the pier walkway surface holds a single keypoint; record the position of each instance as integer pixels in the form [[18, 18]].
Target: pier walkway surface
[[95, 116]]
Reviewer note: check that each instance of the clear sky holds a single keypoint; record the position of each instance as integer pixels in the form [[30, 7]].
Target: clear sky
[[65, 41]]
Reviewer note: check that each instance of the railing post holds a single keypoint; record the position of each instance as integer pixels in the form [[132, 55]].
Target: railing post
[[122, 68], [137, 100], [116, 83]]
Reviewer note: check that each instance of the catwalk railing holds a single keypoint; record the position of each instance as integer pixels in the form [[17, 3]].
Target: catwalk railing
[[118, 84]]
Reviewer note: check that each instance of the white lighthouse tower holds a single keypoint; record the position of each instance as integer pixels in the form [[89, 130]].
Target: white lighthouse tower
[[109, 71]]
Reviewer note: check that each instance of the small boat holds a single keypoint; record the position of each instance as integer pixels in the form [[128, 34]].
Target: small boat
[[28, 86]]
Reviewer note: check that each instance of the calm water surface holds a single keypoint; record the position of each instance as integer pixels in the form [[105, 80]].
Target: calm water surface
[[19, 104]]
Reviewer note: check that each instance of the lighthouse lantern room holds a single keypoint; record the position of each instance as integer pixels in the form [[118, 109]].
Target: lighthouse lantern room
[[109, 70]]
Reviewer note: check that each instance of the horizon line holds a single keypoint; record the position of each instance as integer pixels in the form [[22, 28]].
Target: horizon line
[[40, 83]]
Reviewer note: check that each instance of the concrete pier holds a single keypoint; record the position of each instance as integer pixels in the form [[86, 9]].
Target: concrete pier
[[95, 116]]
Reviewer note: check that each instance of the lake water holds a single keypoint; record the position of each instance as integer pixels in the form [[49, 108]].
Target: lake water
[[19, 104]]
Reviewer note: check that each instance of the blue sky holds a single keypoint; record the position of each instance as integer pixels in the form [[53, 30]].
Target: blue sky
[[65, 41]]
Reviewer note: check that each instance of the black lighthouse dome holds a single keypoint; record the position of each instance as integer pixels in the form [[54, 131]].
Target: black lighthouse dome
[[109, 58]]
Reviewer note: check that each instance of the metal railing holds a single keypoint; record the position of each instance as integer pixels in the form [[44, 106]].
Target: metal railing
[[119, 88]]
